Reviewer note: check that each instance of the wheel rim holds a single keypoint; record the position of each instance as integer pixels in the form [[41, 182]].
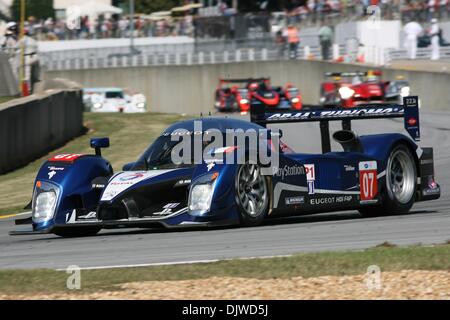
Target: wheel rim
[[251, 190], [400, 176]]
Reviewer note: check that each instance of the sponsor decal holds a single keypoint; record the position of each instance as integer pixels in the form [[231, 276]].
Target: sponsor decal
[[432, 187], [124, 180], [294, 200], [412, 121], [131, 176], [348, 167], [53, 168], [310, 177], [432, 184], [311, 187], [68, 157], [180, 183], [210, 166], [167, 209], [335, 113], [368, 180], [330, 200], [90, 215], [51, 174], [70, 216], [288, 171]]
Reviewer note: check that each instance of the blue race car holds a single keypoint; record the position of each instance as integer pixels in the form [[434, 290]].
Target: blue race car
[[78, 195]]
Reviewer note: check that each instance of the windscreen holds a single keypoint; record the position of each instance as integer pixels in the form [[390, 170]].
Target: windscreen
[[114, 95]]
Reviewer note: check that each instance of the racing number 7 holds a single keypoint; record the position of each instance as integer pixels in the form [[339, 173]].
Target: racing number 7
[[368, 180]]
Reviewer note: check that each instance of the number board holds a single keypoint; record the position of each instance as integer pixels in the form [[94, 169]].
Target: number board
[[368, 180]]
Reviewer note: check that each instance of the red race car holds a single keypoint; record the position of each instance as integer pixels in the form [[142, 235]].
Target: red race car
[[350, 89], [230, 97]]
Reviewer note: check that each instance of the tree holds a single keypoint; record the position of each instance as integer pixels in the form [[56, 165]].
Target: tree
[[149, 6], [40, 9]]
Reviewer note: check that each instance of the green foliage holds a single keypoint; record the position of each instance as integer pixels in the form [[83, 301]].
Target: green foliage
[[40, 9]]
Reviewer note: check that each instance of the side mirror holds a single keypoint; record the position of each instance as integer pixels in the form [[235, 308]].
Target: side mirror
[[98, 144]]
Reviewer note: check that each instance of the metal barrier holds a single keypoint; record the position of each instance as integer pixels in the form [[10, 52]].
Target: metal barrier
[[182, 58], [421, 54]]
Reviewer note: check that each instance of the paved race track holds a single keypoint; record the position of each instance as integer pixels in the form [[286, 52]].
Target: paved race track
[[428, 223]]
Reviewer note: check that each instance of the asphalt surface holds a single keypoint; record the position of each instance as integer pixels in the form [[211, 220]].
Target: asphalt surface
[[428, 222]]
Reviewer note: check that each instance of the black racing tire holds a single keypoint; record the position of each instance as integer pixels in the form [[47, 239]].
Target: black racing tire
[[73, 232], [399, 191], [251, 195]]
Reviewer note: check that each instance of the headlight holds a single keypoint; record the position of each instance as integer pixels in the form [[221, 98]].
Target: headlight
[[44, 207], [97, 105], [346, 92], [200, 197], [141, 105], [404, 92], [295, 100], [244, 101]]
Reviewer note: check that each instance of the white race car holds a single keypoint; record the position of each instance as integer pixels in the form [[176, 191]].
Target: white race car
[[113, 100]]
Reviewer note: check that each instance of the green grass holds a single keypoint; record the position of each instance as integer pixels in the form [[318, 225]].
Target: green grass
[[306, 265], [4, 99], [129, 135]]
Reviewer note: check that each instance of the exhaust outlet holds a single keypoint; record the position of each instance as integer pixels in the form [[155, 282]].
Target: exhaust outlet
[[348, 140]]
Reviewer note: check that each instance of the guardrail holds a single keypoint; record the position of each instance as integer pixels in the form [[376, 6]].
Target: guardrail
[[421, 54], [189, 58]]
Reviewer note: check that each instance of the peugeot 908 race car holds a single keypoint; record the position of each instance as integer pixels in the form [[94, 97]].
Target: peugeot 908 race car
[[113, 100], [78, 194], [351, 89], [235, 98]]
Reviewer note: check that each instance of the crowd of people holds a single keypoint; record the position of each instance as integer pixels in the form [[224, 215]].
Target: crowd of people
[[113, 27], [418, 10]]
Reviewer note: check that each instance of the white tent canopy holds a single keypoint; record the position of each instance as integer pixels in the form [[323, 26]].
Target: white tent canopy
[[97, 8]]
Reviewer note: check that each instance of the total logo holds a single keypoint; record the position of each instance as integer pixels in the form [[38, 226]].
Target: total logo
[[310, 177], [132, 176], [412, 121]]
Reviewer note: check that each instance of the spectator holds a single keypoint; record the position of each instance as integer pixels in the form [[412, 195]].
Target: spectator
[[280, 42], [293, 40], [326, 40], [434, 34], [412, 30], [10, 46]]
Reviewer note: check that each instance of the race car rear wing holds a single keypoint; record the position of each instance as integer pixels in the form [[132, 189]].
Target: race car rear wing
[[353, 73], [409, 111], [241, 80]]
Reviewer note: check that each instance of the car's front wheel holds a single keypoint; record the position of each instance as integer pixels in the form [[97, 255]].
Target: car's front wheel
[[252, 194]]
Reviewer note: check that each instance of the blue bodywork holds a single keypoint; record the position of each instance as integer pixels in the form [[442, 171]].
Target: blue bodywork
[[90, 194]]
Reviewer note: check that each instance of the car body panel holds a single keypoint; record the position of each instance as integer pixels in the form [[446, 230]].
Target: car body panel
[[149, 194]]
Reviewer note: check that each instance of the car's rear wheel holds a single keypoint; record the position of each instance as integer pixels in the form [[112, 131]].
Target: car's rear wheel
[[400, 187], [252, 194], [73, 232]]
